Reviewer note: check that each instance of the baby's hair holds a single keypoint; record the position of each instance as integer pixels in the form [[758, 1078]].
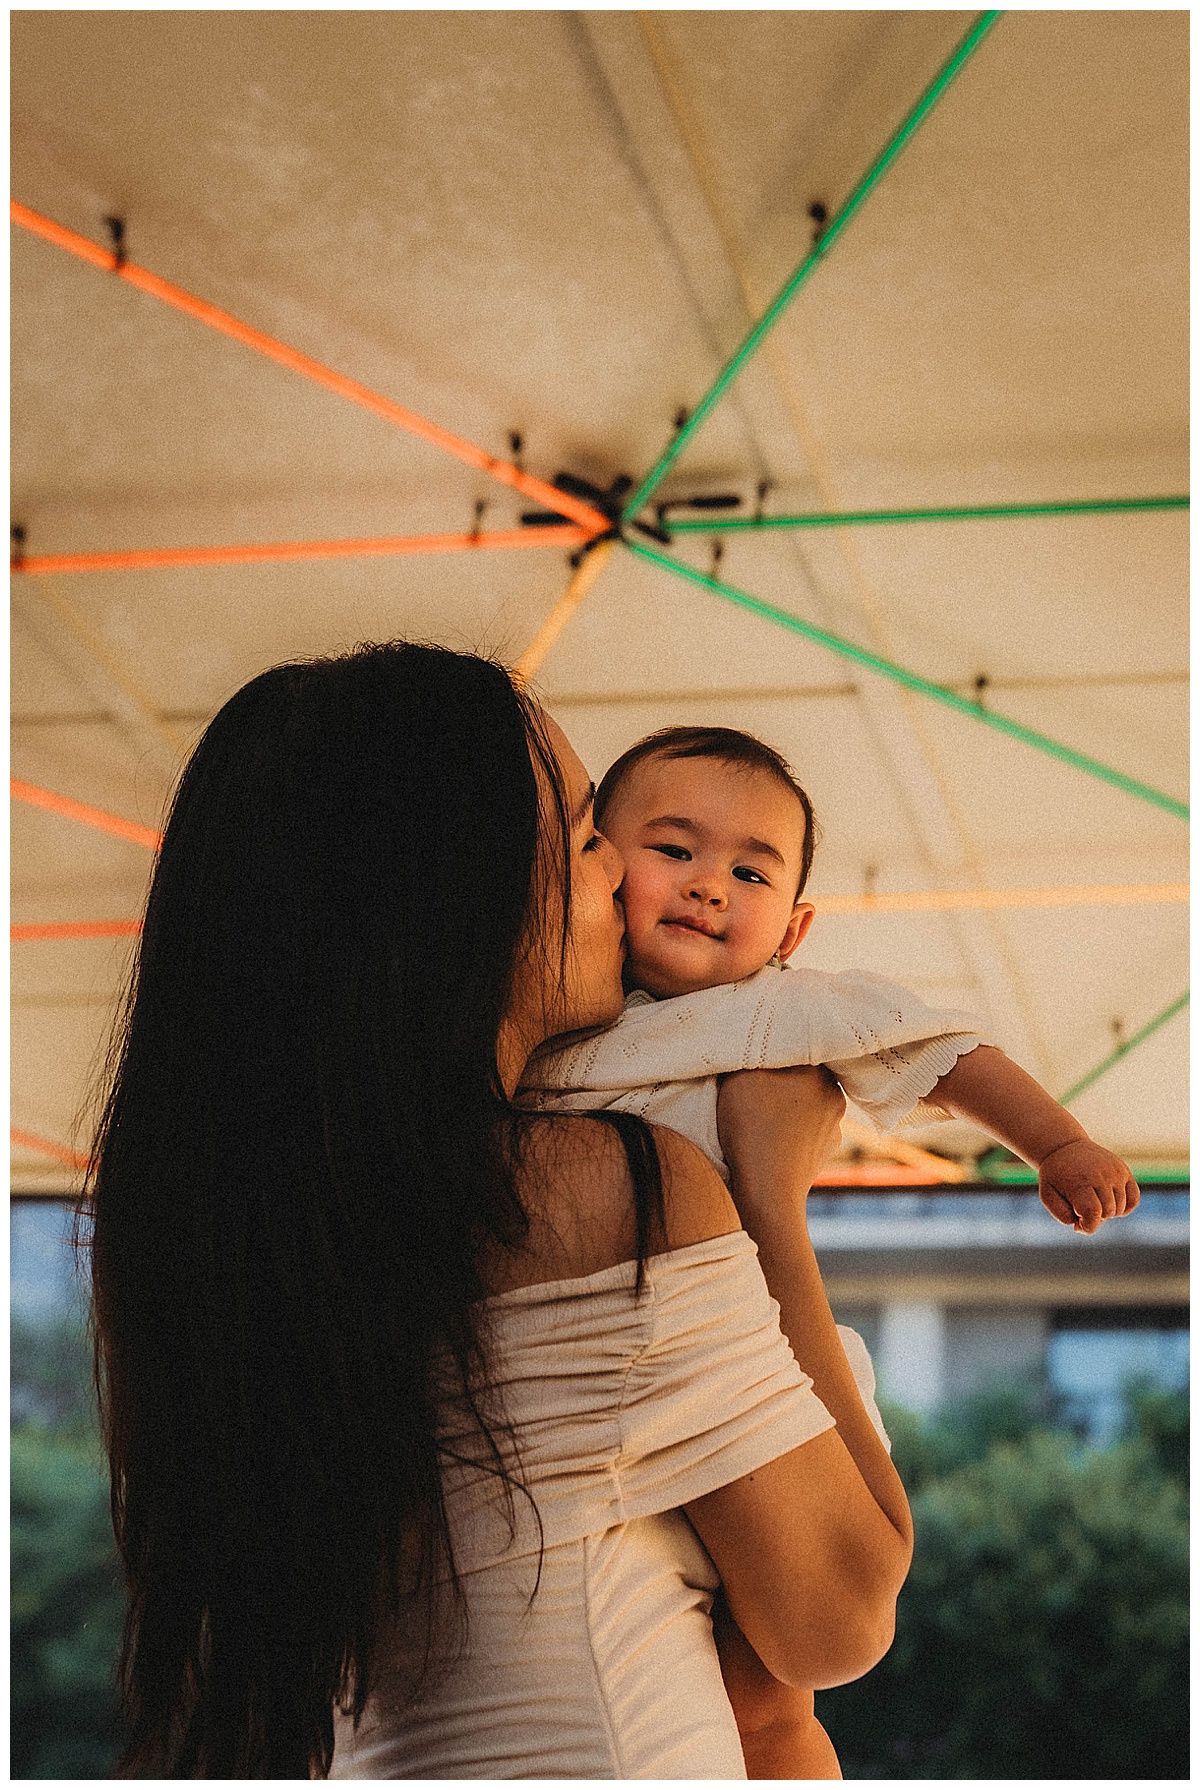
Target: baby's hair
[[728, 745]]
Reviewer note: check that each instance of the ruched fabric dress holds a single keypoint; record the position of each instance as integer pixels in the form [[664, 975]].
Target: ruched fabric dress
[[624, 1408]]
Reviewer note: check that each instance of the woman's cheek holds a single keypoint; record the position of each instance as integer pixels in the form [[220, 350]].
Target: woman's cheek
[[601, 914]]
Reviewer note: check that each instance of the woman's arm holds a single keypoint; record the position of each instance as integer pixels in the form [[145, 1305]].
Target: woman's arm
[[812, 1549]]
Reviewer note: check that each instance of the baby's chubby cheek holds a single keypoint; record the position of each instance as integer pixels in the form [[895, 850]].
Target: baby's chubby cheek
[[648, 949], [642, 903], [641, 954]]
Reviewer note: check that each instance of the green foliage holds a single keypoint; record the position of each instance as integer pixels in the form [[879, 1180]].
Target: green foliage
[[1042, 1633], [967, 1428], [67, 1601], [51, 1375], [1161, 1420], [66, 1608], [1043, 1629]]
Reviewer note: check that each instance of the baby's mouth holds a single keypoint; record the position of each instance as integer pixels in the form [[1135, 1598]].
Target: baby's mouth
[[693, 926]]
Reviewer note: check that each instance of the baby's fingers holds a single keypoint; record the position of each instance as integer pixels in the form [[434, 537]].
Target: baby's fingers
[[1120, 1195], [1127, 1196], [1088, 1207], [1058, 1207]]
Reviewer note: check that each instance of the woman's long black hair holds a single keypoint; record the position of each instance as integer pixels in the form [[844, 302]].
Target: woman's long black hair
[[305, 1150]]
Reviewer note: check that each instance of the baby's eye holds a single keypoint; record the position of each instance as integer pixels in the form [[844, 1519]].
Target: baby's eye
[[679, 852], [745, 874]]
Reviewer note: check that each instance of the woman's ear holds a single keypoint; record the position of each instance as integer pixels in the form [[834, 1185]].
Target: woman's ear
[[802, 918]]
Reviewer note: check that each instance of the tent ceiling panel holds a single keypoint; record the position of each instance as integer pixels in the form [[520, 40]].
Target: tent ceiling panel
[[143, 402], [1041, 203], [1138, 949], [1024, 804], [56, 1067], [502, 236], [562, 224], [88, 760], [43, 684], [73, 973], [976, 602], [782, 112], [957, 600], [190, 637], [1150, 1090]]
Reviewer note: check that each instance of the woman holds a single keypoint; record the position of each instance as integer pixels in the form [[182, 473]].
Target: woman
[[400, 1384]]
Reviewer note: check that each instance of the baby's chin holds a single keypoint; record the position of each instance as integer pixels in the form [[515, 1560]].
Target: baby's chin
[[666, 980]]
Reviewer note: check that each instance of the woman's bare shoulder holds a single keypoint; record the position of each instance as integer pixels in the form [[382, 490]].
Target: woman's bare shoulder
[[697, 1202], [575, 1183]]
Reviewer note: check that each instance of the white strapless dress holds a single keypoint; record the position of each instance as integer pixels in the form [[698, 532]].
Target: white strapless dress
[[623, 1409]]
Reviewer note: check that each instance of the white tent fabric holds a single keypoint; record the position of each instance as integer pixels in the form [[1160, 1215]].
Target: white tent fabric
[[562, 224]]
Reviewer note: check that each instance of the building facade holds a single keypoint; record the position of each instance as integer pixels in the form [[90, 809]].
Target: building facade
[[957, 1290]]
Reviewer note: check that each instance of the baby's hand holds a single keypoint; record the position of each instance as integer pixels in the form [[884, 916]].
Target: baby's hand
[[1082, 1185]]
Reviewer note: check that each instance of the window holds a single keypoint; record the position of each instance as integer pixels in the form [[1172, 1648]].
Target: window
[[1097, 1352]]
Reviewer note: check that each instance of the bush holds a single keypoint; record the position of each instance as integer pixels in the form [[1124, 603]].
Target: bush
[[1042, 1633], [66, 1609], [968, 1428], [1161, 1420], [1043, 1629], [51, 1374]]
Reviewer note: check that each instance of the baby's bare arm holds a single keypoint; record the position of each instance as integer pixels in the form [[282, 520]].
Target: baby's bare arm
[[777, 1723], [758, 1699], [1081, 1183]]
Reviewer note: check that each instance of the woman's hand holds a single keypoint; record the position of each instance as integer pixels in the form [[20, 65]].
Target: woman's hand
[[777, 1127]]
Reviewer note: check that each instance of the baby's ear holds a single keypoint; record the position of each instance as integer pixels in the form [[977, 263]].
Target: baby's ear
[[802, 918]]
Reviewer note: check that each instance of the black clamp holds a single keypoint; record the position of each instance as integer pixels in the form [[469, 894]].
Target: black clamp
[[116, 230], [610, 503]]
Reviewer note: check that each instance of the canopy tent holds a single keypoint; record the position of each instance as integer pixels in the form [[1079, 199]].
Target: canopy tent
[[546, 241]]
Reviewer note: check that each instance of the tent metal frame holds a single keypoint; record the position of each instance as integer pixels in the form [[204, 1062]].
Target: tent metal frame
[[586, 527], [829, 235], [594, 524]]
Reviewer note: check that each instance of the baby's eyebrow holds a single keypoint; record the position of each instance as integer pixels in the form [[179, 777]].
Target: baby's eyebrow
[[760, 846], [764, 850]]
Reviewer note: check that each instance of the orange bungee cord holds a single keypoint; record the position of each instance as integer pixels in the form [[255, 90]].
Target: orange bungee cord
[[592, 520], [88, 816], [151, 559]]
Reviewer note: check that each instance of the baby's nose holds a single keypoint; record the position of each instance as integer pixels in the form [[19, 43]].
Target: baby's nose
[[708, 890]]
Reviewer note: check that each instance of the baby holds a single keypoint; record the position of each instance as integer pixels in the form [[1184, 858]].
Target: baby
[[717, 838]]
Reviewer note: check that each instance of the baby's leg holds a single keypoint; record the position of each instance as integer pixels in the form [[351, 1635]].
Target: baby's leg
[[780, 1734]]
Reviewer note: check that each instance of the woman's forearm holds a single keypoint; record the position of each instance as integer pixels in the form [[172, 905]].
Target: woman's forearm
[[988, 1089]]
